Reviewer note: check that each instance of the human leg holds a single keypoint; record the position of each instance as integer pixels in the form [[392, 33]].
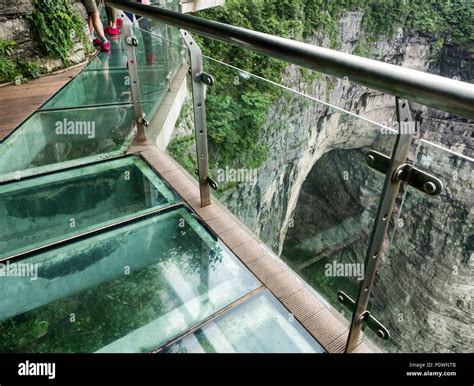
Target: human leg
[[111, 29], [111, 16]]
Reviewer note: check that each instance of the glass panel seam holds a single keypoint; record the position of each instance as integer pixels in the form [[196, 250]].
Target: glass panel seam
[[223, 311]]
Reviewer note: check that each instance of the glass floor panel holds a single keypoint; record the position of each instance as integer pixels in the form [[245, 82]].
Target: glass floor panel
[[93, 88], [112, 60], [41, 210], [65, 136], [260, 325], [131, 289], [105, 87]]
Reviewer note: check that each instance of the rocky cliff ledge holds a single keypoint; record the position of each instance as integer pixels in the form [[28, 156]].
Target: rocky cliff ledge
[[14, 26]]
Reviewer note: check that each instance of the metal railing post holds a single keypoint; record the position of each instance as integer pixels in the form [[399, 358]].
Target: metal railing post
[[199, 82], [375, 250], [131, 43]]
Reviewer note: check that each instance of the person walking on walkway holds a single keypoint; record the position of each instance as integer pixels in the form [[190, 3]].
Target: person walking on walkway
[[146, 27], [95, 24], [111, 29]]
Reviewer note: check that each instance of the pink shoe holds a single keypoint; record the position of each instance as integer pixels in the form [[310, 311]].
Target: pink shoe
[[112, 31], [97, 42], [105, 46]]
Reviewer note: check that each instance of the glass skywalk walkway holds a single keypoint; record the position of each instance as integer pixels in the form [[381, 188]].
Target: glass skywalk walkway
[[111, 258], [92, 117]]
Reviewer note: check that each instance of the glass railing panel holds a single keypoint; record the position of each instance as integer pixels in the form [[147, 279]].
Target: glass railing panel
[[424, 290], [171, 5], [292, 168], [131, 289], [172, 42], [181, 145], [158, 61], [50, 140], [151, 66], [260, 325], [41, 210]]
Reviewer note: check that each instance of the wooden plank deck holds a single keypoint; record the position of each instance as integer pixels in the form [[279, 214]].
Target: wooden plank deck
[[320, 322], [18, 102]]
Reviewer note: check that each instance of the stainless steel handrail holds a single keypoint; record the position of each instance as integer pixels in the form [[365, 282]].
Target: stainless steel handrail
[[431, 90]]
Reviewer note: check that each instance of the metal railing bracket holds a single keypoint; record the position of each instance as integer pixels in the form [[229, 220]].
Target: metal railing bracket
[[413, 176], [365, 317]]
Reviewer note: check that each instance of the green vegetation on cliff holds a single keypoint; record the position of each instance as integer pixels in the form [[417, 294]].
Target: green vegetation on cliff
[[55, 25], [237, 112], [11, 68], [451, 21]]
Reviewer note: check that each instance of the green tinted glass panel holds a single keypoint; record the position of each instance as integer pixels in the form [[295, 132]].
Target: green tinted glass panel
[[107, 87], [127, 290], [51, 139], [42, 210], [260, 325], [93, 88], [116, 43], [113, 60], [158, 60], [117, 59]]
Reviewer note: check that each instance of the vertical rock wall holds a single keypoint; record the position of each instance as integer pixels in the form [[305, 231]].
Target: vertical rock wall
[[425, 305], [13, 25]]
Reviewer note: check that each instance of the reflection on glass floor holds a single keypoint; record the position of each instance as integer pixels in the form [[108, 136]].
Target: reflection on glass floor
[[113, 60], [130, 289], [56, 139], [93, 88], [137, 287], [117, 59], [42, 210], [107, 87], [260, 325]]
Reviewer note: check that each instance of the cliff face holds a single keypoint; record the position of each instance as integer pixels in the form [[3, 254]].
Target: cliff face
[[315, 196], [14, 26]]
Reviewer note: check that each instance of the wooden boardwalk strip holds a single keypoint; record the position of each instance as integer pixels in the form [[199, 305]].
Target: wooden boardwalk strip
[[325, 327], [303, 304], [18, 102]]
